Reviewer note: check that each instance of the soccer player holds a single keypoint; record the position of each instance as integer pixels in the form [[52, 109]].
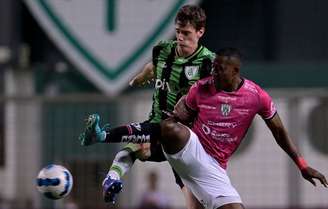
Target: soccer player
[[175, 66], [221, 108]]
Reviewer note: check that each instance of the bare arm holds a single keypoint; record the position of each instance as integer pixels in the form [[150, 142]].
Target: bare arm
[[144, 77], [286, 143], [182, 112], [281, 136]]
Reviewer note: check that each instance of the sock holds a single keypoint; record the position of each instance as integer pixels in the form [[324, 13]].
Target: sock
[[134, 133], [122, 163]]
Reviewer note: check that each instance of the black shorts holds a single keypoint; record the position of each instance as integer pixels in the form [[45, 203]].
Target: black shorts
[[157, 155]]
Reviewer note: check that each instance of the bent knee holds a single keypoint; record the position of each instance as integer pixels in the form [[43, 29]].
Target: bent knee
[[172, 131], [169, 128]]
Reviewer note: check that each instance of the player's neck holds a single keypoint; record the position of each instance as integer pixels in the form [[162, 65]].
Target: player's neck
[[186, 52], [230, 87]]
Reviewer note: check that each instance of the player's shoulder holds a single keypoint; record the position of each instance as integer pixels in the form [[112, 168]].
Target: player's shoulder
[[204, 83], [206, 53], [252, 86], [164, 47], [166, 43]]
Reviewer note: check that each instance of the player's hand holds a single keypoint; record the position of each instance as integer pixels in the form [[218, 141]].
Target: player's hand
[[139, 81], [310, 174], [144, 152], [146, 76]]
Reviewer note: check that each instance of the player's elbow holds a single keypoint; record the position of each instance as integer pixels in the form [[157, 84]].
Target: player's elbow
[[182, 112]]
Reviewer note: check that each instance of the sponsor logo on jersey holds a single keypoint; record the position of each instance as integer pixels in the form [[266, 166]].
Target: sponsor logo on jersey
[[225, 109], [191, 71], [222, 124], [162, 84], [218, 136], [227, 98]]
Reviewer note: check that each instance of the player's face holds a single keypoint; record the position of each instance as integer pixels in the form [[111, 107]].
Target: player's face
[[187, 37], [225, 70]]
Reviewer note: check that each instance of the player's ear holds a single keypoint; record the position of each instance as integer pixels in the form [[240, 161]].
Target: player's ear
[[201, 32], [237, 69]]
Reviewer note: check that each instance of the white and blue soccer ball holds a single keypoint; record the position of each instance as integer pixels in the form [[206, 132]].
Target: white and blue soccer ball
[[54, 181]]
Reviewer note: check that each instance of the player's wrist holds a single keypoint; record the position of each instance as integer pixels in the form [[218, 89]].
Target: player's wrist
[[301, 163]]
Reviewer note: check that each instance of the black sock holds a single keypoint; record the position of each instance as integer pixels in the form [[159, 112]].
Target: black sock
[[134, 133]]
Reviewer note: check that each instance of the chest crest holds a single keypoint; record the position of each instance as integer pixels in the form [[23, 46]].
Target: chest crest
[[191, 71], [225, 109]]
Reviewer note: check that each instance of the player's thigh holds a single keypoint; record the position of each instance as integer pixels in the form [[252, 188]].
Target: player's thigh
[[232, 206], [203, 175], [191, 200]]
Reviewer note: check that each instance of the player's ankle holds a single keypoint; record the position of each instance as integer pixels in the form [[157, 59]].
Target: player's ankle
[[113, 175]]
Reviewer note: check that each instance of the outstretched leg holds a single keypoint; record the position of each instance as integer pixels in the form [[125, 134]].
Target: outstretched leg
[[193, 163], [132, 133], [112, 184], [122, 163]]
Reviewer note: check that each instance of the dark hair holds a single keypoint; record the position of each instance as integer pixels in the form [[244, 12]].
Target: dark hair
[[191, 14], [229, 52]]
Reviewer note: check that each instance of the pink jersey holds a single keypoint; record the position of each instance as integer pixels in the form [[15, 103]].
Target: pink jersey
[[224, 117]]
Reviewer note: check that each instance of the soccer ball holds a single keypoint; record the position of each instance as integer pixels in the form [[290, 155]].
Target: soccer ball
[[54, 181]]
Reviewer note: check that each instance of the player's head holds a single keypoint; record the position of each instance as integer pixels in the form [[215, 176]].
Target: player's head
[[191, 14], [226, 66], [189, 25]]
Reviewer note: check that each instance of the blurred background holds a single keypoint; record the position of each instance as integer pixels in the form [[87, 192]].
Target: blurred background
[[61, 60]]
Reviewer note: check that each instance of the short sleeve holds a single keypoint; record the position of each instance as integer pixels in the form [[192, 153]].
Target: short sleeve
[[158, 48], [267, 108], [155, 54], [191, 98]]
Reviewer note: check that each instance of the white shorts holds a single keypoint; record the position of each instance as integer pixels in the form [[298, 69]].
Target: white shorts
[[203, 175]]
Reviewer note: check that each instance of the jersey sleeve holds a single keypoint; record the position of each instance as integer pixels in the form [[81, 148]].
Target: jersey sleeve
[[191, 98], [155, 53], [267, 107]]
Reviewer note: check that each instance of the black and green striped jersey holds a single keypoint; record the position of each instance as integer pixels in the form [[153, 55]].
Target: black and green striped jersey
[[175, 75]]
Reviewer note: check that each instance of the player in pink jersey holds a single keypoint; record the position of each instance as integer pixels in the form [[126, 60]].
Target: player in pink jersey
[[221, 109], [225, 116]]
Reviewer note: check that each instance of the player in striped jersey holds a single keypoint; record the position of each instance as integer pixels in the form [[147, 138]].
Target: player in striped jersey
[[175, 66]]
